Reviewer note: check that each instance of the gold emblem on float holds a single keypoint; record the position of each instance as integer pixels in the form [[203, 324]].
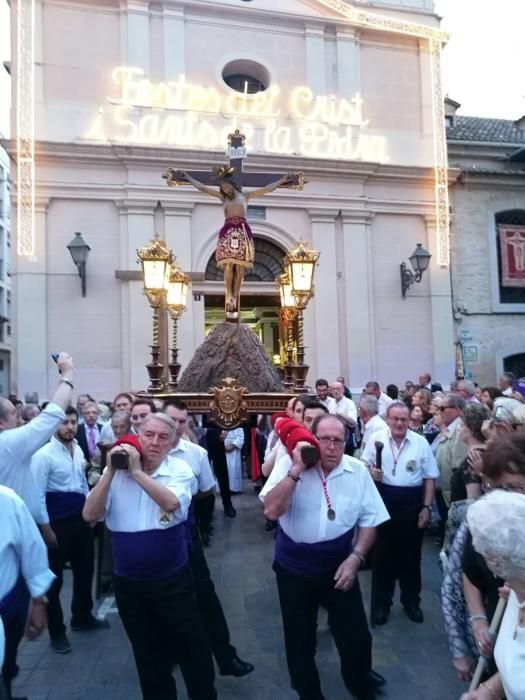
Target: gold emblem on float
[[228, 406]]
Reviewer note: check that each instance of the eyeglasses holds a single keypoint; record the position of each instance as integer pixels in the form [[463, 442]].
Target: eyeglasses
[[337, 442], [444, 408]]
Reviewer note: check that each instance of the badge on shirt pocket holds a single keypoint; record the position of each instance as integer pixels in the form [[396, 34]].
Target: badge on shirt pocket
[[165, 518], [411, 465]]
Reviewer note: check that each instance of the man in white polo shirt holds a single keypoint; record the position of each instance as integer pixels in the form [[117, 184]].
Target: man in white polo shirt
[[25, 578], [406, 483], [316, 560], [145, 507], [18, 445], [211, 609], [372, 421]]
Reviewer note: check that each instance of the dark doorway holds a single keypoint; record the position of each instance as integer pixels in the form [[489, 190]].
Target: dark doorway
[[516, 364]]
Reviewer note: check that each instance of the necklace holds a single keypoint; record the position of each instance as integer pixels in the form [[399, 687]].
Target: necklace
[[330, 513]]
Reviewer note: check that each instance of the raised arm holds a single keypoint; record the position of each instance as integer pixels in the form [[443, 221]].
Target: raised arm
[[183, 175], [269, 188]]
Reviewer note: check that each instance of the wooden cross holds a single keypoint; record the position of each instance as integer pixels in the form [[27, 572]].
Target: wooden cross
[[236, 152]]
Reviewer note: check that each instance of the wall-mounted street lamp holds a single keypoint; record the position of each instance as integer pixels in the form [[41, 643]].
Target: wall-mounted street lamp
[[79, 250], [176, 303], [419, 261]]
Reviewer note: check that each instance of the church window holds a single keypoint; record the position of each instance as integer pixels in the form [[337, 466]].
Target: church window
[[511, 258], [246, 76]]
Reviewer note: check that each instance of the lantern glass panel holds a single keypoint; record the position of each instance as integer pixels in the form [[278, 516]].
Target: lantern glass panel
[[176, 295], [301, 275], [287, 300], [155, 277]]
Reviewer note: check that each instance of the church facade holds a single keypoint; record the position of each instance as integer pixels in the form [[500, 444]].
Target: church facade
[[347, 93]]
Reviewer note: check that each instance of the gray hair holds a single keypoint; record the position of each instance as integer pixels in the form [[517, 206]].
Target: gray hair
[[163, 418], [466, 386], [369, 404], [372, 385], [497, 524], [31, 397], [122, 415], [29, 411], [397, 404], [455, 401], [5, 408], [90, 404]]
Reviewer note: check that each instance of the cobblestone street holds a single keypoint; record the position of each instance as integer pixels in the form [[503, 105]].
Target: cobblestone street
[[414, 658]]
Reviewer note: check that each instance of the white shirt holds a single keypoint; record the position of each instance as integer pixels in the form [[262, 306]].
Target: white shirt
[[509, 653], [384, 403], [197, 459], [18, 445], [106, 433], [329, 403], [270, 444], [507, 391], [353, 497], [414, 458], [373, 425], [55, 469], [22, 549], [345, 407], [130, 509]]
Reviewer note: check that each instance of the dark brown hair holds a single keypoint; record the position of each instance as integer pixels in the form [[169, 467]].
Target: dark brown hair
[[504, 455]]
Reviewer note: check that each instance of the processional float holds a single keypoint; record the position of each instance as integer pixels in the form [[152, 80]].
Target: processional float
[[230, 377]]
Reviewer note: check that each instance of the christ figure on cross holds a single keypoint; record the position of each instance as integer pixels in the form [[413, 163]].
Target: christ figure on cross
[[235, 247]]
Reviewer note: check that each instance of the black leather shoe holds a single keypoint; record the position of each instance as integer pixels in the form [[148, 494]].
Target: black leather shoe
[[376, 680], [237, 667], [380, 616], [414, 613], [230, 512], [91, 625]]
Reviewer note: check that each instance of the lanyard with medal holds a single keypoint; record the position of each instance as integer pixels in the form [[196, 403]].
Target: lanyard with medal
[[394, 457], [330, 513]]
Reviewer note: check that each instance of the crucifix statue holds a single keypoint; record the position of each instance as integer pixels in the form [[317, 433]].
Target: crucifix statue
[[235, 247]]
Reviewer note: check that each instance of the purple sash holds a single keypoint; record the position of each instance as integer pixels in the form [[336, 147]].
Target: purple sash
[[311, 559], [150, 554], [64, 504], [399, 498], [16, 602]]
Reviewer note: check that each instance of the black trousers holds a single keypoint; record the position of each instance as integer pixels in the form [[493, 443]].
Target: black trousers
[[204, 512], [163, 624], [300, 598], [75, 544], [397, 556], [14, 631], [209, 605]]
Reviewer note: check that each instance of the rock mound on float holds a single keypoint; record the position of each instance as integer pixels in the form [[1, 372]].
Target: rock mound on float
[[230, 350]]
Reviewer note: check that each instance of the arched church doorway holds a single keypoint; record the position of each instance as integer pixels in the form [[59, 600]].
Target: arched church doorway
[[260, 302]]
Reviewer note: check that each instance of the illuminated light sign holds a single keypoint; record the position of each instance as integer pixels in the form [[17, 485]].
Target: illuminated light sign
[[179, 113]]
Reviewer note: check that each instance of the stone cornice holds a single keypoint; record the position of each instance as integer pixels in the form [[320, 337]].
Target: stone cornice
[[51, 152]]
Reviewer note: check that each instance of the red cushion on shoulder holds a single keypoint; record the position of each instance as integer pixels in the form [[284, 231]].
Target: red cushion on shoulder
[[284, 427], [275, 416], [300, 434], [129, 440]]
